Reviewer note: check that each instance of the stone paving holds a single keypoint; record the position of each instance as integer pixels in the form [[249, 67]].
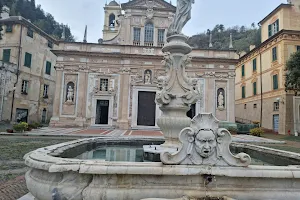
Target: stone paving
[[97, 132], [14, 189]]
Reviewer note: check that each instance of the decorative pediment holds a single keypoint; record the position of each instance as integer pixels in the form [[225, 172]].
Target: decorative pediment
[[149, 4]]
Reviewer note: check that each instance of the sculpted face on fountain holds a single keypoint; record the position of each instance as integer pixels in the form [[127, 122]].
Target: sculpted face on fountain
[[205, 143]]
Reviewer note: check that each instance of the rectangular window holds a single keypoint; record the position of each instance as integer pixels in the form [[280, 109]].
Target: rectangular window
[[27, 62], [48, 68], [137, 34], [254, 65], [276, 106], [275, 82], [243, 92], [50, 44], [245, 106], [243, 71], [254, 89], [9, 28], [274, 28], [161, 36], [45, 93], [274, 54], [254, 105], [103, 84], [6, 55], [298, 48], [24, 89], [29, 32]]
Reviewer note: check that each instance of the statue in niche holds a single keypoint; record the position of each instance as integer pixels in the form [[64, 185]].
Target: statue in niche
[[104, 86], [221, 99], [182, 16], [70, 94], [147, 77], [204, 143]]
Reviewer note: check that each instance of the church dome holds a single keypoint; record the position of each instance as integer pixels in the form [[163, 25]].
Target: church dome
[[113, 3]]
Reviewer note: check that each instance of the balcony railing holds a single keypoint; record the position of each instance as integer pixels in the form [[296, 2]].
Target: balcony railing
[[148, 44], [136, 43]]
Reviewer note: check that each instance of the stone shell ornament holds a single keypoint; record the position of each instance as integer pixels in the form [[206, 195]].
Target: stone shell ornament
[[204, 143]]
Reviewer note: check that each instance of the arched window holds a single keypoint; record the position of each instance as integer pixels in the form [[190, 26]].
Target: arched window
[[112, 20], [149, 32]]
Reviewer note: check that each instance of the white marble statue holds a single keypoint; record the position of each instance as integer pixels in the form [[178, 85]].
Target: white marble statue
[[182, 16], [103, 87], [70, 94], [147, 78], [221, 100]]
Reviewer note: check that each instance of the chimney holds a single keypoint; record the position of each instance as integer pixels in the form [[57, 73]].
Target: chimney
[[5, 12], [252, 47]]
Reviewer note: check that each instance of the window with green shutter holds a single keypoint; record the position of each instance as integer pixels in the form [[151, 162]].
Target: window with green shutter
[[243, 70], [30, 32], [243, 92], [9, 28], [27, 62], [254, 65], [275, 82], [48, 68], [6, 55], [273, 28], [254, 89], [274, 54]]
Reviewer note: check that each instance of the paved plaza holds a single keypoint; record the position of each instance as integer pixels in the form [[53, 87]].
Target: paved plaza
[[116, 133]]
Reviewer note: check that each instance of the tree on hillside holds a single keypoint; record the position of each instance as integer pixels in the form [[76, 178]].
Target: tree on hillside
[[45, 21], [292, 76], [242, 37]]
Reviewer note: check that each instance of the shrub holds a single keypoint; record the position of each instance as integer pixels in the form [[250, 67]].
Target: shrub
[[21, 127], [257, 132], [232, 130]]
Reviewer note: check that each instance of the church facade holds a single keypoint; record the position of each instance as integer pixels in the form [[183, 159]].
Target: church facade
[[113, 84]]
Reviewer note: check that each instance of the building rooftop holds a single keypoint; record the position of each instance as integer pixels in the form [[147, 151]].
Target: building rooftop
[[22, 20], [274, 11], [113, 3]]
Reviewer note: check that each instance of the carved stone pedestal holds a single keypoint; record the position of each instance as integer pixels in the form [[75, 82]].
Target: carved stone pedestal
[[176, 91]]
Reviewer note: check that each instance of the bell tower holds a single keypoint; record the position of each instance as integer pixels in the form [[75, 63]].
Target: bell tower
[[112, 11]]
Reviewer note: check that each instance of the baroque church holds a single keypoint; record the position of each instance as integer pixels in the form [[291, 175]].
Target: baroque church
[[113, 84]]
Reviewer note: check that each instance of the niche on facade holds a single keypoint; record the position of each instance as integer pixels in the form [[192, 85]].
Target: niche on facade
[[221, 99], [148, 77], [70, 93]]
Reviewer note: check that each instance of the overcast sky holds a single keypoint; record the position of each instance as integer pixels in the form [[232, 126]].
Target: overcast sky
[[205, 15]]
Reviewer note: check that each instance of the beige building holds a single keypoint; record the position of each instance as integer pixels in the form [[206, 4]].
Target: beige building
[[28, 91], [113, 84], [259, 85]]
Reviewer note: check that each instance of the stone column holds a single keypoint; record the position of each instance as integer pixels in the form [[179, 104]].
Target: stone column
[[57, 97], [123, 121], [82, 93]]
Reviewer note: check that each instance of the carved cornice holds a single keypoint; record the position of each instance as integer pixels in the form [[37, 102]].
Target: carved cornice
[[217, 75]]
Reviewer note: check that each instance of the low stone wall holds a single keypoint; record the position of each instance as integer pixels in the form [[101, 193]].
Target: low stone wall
[[97, 179]]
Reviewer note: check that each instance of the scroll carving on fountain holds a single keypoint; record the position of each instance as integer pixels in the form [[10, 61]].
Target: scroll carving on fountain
[[204, 143], [176, 91]]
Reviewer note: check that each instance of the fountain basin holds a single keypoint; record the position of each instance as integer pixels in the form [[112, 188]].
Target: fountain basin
[[104, 180]]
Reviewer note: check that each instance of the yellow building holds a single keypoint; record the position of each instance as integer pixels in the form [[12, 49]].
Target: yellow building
[[26, 94], [260, 91]]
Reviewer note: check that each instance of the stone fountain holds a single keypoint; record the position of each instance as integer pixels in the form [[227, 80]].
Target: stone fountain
[[196, 162]]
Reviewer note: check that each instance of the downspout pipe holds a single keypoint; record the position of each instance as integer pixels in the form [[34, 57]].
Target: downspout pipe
[[261, 90], [18, 72]]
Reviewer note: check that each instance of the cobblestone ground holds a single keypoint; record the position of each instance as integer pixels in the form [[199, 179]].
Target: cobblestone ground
[[13, 189]]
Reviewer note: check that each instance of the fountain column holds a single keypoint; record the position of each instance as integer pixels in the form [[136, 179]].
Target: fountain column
[[176, 91]]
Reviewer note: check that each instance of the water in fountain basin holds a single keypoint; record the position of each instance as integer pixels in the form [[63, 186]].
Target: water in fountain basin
[[123, 153]]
